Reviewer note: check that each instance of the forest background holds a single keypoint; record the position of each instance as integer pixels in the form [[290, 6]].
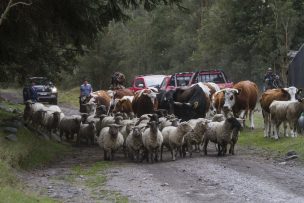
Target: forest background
[[70, 40]]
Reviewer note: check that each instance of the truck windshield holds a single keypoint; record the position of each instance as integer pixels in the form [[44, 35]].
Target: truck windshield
[[153, 81], [216, 78]]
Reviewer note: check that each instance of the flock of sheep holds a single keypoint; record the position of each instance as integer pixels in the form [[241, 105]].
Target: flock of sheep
[[144, 138], [138, 138]]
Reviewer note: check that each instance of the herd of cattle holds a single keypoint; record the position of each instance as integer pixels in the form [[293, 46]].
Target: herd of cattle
[[144, 122]]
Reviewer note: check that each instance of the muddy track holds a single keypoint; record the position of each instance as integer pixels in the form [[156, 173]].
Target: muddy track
[[249, 176]]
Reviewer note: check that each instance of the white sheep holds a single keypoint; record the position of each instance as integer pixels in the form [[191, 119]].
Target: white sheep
[[278, 112], [194, 137], [87, 131], [152, 140], [173, 138], [51, 121], [285, 111], [134, 143], [220, 133], [294, 111], [69, 125], [30, 109], [110, 139]]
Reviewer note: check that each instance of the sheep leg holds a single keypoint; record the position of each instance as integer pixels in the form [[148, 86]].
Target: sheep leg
[[156, 155], [105, 155], [285, 129], [219, 152], [180, 152], [161, 152], [172, 154], [276, 128], [295, 128], [205, 146]]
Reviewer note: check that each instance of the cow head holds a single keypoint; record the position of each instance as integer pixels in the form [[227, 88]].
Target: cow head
[[167, 101], [230, 98]]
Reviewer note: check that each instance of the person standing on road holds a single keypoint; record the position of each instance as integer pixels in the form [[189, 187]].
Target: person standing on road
[[85, 91], [33, 92]]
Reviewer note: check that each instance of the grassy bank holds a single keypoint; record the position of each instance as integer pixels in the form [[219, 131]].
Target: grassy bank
[[69, 97], [255, 138], [29, 151]]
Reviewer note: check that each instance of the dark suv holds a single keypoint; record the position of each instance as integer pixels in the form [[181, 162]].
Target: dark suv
[[46, 91]]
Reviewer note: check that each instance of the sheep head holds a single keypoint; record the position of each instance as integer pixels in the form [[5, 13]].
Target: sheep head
[[184, 127], [113, 130], [234, 123], [153, 126], [136, 132]]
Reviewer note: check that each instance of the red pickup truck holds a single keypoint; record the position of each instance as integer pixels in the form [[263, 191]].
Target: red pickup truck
[[176, 80], [216, 76], [190, 78], [145, 81]]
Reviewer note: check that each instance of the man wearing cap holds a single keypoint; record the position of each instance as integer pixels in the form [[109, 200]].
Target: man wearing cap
[[269, 79]]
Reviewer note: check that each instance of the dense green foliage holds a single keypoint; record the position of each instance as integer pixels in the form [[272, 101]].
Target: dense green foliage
[[241, 37], [45, 37], [57, 38]]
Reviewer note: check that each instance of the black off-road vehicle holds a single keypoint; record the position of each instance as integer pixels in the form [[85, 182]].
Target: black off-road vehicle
[[46, 90]]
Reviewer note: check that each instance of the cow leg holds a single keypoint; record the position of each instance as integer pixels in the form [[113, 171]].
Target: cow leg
[[242, 116], [251, 112]]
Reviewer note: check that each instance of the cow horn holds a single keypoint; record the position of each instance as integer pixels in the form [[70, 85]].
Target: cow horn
[[178, 103], [188, 104]]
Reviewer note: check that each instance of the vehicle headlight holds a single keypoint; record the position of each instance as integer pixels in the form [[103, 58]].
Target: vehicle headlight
[[54, 90]]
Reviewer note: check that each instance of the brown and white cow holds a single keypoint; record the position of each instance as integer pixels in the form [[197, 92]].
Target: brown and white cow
[[241, 99], [280, 94], [144, 102], [124, 105]]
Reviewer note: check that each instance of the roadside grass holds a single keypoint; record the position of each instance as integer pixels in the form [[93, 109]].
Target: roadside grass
[[96, 179], [69, 97], [255, 138], [29, 151]]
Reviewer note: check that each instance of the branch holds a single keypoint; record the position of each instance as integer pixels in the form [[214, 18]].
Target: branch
[[22, 3], [9, 6]]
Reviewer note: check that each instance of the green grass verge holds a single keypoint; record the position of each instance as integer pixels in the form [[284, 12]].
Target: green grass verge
[[69, 97], [28, 152], [255, 138], [96, 179]]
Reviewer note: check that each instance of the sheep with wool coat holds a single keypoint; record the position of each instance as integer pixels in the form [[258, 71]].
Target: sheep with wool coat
[[134, 143], [285, 111], [152, 140], [173, 138], [87, 131], [110, 139], [220, 133], [69, 125], [194, 137]]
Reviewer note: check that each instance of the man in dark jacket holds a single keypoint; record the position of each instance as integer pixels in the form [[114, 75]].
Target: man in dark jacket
[[33, 92], [271, 80]]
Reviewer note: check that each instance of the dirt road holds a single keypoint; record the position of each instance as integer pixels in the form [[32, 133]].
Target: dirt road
[[249, 176]]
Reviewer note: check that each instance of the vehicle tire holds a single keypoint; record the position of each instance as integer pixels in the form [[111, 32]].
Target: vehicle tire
[[55, 102]]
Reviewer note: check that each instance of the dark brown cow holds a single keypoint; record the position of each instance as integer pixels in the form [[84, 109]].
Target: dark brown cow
[[144, 102], [241, 99]]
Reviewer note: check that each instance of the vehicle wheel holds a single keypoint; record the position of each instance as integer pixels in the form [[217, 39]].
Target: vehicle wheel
[[55, 102]]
